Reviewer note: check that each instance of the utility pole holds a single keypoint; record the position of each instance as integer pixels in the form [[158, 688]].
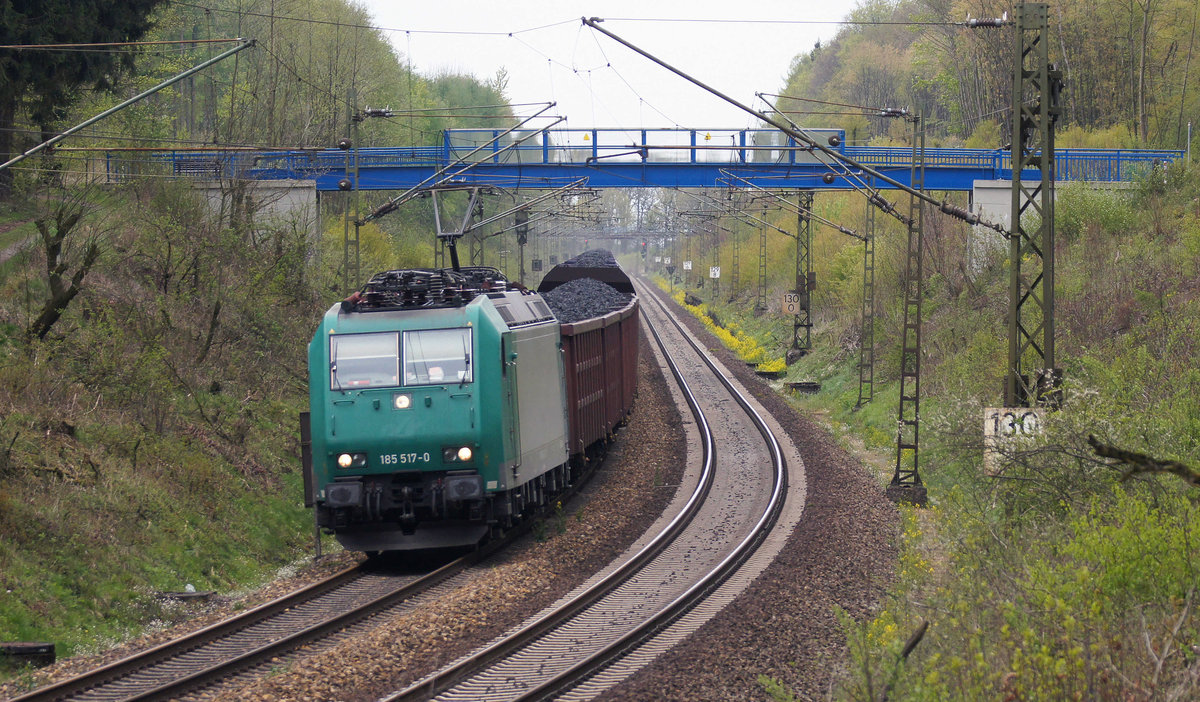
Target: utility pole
[[352, 264], [737, 265], [1036, 88], [356, 118], [687, 259]]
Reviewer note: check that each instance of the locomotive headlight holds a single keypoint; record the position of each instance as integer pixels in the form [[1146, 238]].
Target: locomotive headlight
[[457, 454], [352, 460], [402, 400]]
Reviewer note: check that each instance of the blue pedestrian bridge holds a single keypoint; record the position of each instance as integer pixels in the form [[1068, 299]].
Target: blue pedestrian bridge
[[623, 158]]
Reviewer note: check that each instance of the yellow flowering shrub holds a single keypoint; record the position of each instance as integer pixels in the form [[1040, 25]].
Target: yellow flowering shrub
[[731, 335], [773, 366]]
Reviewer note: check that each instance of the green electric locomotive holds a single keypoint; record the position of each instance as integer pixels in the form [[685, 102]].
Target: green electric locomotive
[[437, 410]]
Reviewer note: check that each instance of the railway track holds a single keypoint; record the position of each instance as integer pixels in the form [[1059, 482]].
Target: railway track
[[255, 637], [732, 508]]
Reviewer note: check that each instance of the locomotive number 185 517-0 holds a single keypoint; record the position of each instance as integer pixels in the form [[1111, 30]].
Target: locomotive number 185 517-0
[[391, 459]]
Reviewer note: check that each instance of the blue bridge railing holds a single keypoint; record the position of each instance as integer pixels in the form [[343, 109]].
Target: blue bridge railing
[[1101, 165], [614, 148]]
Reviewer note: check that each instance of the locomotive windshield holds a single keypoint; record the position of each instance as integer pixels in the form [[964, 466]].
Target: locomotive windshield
[[437, 356], [363, 361]]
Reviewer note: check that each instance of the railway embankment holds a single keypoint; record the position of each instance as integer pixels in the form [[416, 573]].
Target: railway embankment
[[1054, 571], [147, 441]]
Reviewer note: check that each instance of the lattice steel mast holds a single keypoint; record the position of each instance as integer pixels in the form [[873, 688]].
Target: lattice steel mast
[[805, 280], [906, 480], [1036, 88], [866, 351]]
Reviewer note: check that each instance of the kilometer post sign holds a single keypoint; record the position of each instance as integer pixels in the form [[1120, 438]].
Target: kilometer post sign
[[1003, 427]]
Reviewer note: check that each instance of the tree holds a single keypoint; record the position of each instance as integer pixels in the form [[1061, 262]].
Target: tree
[[54, 229], [44, 82]]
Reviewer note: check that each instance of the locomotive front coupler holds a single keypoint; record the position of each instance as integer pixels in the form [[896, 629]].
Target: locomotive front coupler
[[438, 503], [408, 515]]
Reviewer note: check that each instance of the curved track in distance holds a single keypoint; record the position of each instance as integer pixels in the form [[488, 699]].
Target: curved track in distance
[[731, 509]]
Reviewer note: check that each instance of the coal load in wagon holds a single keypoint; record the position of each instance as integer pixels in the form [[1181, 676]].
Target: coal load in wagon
[[584, 298], [594, 258], [597, 264]]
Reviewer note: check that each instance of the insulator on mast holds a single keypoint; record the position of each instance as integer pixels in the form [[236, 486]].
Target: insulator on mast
[[1000, 21]]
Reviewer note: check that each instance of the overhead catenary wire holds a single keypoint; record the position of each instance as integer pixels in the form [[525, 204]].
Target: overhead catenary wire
[[338, 99], [580, 182], [513, 34], [824, 102], [793, 207], [773, 21], [245, 43], [609, 66], [855, 180], [115, 44], [736, 213], [704, 198], [468, 107], [798, 134], [875, 112], [516, 33], [351, 25], [827, 114]]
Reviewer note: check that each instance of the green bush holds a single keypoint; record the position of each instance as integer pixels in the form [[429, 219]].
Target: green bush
[[1083, 210]]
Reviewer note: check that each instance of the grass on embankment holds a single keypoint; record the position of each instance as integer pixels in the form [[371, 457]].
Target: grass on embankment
[[16, 231], [149, 442]]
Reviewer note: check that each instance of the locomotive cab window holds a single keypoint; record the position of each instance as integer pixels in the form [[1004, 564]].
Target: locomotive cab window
[[437, 356], [363, 361]]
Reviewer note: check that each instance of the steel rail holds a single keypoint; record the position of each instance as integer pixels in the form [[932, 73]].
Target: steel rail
[[439, 681], [163, 653], [169, 649], [225, 669], [620, 647], [349, 618]]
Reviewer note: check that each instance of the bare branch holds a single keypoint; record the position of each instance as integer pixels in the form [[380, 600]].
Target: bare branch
[[1141, 463]]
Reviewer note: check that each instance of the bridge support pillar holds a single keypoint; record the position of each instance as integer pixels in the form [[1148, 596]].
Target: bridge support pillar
[[291, 202]]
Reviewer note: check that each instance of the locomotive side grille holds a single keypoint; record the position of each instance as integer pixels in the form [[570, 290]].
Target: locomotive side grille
[[506, 314], [523, 310]]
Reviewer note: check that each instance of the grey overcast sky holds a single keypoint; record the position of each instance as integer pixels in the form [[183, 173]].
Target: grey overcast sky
[[551, 56]]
